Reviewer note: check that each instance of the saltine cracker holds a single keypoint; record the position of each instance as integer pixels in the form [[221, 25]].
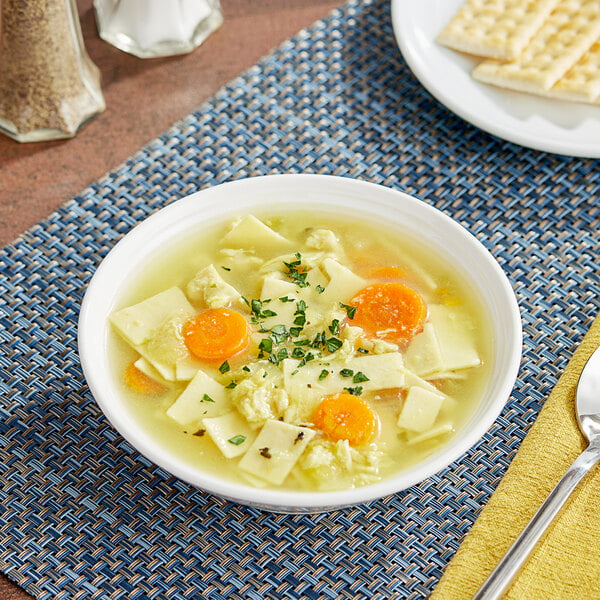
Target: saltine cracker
[[569, 31], [581, 83], [495, 28]]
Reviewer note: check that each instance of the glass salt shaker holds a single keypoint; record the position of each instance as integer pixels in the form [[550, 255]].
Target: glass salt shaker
[[152, 28], [49, 86]]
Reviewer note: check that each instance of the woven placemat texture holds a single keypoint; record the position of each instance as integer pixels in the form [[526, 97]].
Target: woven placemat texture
[[82, 515]]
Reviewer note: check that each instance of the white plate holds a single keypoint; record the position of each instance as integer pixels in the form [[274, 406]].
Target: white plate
[[543, 124]]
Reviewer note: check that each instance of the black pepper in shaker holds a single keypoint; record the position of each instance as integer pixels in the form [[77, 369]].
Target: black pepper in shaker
[[49, 86]]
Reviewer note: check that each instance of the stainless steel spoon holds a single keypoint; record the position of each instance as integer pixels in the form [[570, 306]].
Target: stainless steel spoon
[[588, 416]]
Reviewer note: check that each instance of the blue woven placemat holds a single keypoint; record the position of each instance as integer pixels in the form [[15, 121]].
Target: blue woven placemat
[[82, 515]]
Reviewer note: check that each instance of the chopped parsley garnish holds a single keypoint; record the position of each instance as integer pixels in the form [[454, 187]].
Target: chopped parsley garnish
[[307, 358], [346, 372], [265, 347], [350, 310], [359, 377], [334, 328], [225, 268], [206, 398], [236, 440], [320, 289], [334, 344], [279, 334], [300, 320], [231, 385], [277, 357], [298, 352], [246, 368], [272, 345], [259, 312], [319, 341], [296, 272], [324, 373], [363, 351], [355, 391], [224, 368]]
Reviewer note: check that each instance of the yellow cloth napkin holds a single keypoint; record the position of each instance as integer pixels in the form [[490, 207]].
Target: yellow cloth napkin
[[565, 564]]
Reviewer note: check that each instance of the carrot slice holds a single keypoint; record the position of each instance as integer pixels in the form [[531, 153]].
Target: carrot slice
[[388, 273], [346, 417], [391, 311], [216, 334], [141, 383]]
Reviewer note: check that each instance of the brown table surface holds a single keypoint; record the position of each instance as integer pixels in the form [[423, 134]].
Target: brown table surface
[[143, 98]]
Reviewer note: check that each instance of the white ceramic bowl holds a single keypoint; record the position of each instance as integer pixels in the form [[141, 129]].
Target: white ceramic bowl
[[280, 193]]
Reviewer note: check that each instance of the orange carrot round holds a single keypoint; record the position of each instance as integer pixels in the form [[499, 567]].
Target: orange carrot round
[[388, 273], [141, 383], [216, 334], [346, 417], [391, 311]]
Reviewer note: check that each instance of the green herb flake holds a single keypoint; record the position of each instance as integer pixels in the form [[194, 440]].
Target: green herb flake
[[363, 351], [206, 398], [224, 368], [296, 272], [350, 310], [319, 341], [277, 357], [246, 368], [346, 372], [285, 299], [355, 391], [333, 344], [258, 312], [334, 328], [279, 334], [225, 268], [320, 289], [295, 331], [324, 373], [265, 347], [231, 385], [300, 320], [298, 352], [307, 358], [236, 440], [359, 377]]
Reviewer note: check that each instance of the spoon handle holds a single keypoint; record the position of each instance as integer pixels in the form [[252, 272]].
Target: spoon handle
[[505, 571]]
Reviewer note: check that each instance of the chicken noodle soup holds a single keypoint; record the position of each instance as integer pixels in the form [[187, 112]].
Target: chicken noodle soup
[[302, 351]]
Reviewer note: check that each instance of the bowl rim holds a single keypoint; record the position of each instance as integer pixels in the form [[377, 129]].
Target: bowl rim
[[161, 222]]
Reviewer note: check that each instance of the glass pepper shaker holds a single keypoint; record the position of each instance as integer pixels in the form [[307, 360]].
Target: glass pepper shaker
[[49, 86], [152, 28]]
